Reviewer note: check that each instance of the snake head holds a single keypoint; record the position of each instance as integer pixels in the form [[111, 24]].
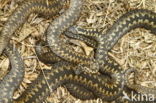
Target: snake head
[[73, 29]]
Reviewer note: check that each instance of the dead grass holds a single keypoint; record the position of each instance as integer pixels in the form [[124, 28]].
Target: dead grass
[[134, 50]]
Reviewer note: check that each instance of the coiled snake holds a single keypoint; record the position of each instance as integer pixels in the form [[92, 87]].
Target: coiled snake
[[12, 80], [129, 21], [100, 85]]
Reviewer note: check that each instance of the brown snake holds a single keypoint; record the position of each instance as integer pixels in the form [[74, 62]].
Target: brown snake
[[21, 14], [12, 80], [103, 88]]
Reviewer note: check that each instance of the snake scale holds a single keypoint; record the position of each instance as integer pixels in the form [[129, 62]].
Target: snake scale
[[21, 14], [133, 19], [139, 18], [12, 80], [100, 86], [51, 58], [26, 5], [135, 25]]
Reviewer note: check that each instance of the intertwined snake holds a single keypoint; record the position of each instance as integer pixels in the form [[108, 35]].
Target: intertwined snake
[[12, 80], [107, 84]]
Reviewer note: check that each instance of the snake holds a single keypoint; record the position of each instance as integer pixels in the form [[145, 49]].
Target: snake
[[46, 9], [61, 49], [28, 7], [12, 80], [110, 89], [138, 18], [49, 57], [89, 41], [62, 73], [83, 93], [67, 19], [102, 95], [129, 21], [20, 15], [137, 87]]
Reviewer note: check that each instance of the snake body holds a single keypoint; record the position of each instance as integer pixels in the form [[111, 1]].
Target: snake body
[[27, 7], [46, 57], [51, 58], [80, 92], [57, 27], [21, 14], [99, 85], [89, 41], [12, 80], [62, 74], [67, 19], [89, 32], [139, 18]]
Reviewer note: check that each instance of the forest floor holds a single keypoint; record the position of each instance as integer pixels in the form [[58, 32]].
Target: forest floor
[[135, 50]]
